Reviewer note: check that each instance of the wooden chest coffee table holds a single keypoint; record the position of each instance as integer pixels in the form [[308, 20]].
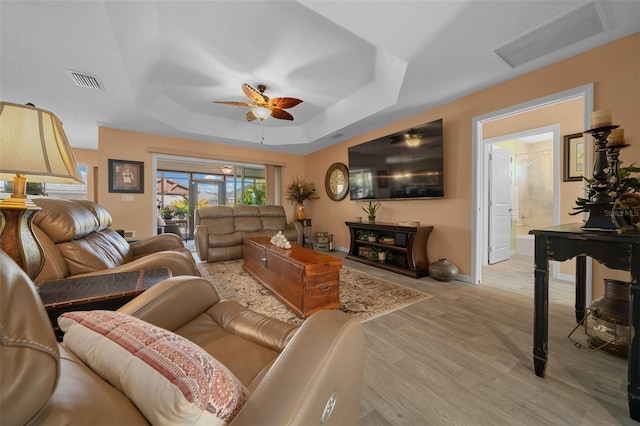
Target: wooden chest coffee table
[[305, 280]]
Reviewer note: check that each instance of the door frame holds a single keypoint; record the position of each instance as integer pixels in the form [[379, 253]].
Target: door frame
[[478, 166], [553, 128]]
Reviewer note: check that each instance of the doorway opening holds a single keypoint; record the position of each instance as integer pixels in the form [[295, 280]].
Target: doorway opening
[[480, 168], [523, 189]]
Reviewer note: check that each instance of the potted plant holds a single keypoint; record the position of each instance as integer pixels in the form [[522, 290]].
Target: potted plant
[[165, 212], [371, 210], [181, 208], [298, 191]]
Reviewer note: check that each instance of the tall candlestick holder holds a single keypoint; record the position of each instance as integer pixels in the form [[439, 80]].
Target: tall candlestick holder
[[601, 204], [613, 156]]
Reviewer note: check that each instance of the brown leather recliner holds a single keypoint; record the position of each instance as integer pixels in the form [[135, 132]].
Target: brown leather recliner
[[304, 375], [77, 241]]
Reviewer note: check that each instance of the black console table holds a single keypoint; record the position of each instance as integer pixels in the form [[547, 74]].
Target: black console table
[[616, 251], [408, 245]]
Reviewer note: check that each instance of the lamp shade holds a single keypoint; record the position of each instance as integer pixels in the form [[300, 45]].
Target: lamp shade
[[33, 144]]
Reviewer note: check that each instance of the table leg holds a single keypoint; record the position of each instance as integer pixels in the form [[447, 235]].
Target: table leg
[[633, 388], [581, 287], [541, 307]]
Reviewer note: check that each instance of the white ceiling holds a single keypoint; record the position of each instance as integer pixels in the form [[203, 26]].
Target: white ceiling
[[358, 65]]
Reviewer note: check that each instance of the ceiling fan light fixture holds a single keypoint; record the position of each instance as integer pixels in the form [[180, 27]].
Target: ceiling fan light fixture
[[261, 112], [412, 139]]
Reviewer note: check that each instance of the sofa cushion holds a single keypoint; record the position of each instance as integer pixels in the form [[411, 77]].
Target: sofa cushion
[[64, 220], [95, 252], [246, 211], [247, 219], [225, 240], [102, 215], [217, 219], [170, 379], [248, 224], [224, 225], [273, 218], [274, 223]]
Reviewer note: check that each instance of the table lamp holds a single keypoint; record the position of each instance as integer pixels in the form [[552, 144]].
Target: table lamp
[[34, 148]]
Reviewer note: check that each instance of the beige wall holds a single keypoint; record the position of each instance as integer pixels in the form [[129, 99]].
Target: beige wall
[[616, 87], [139, 213]]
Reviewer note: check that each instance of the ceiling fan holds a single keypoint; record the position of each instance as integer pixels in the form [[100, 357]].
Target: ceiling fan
[[410, 138], [262, 106]]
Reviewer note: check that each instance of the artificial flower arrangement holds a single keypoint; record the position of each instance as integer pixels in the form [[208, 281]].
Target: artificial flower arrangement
[[299, 190], [628, 189]]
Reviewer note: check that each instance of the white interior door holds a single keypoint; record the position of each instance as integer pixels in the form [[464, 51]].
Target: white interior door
[[499, 204]]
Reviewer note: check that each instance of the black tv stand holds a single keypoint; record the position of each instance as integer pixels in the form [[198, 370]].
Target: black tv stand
[[408, 249]]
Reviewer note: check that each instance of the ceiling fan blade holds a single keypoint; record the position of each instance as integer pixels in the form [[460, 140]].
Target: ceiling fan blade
[[250, 116], [253, 94], [242, 104], [284, 103], [281, 114]]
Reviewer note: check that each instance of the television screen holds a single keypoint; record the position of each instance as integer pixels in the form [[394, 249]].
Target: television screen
[[403, 165]]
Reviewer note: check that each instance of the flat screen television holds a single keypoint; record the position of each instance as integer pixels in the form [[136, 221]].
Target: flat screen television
[[404, 165]]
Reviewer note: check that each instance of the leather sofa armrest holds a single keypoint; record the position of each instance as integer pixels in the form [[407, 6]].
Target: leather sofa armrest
[[174, 302], [156, 243], [298, 227], [180, 263], [201, 238], [326, 356]]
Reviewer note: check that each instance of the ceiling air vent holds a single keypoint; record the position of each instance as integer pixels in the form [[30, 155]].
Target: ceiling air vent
[[563, 31], [85, 80]]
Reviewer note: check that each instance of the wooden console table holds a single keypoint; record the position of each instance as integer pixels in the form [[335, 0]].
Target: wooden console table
[[616, 251], [305, 280], [409, 246]]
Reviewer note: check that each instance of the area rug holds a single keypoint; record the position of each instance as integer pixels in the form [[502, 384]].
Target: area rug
[[362, 295]]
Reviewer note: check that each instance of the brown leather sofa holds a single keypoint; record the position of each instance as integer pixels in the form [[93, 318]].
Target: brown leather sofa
[[306, 375], [77, 241], [220, 230]]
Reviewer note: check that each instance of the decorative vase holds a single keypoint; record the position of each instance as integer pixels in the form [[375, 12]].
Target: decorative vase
[[382, 256], [300, 211], [443, 270], [372, 219]]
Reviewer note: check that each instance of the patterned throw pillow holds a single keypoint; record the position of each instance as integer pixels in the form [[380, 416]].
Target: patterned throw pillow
[[170, 379]]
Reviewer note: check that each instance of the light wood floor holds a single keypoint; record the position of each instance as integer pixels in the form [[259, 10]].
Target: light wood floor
[[464, 357]]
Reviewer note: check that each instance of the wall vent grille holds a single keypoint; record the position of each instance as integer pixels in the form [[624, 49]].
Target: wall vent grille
[[85, 80]]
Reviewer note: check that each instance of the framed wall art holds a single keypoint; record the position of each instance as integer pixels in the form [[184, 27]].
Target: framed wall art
[[126, 176], [574, 157]]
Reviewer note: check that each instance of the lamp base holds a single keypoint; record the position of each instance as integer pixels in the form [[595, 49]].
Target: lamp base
[[17, 238]]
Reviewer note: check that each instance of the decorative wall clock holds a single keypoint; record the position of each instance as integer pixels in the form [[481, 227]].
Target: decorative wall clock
[[336, 182]]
